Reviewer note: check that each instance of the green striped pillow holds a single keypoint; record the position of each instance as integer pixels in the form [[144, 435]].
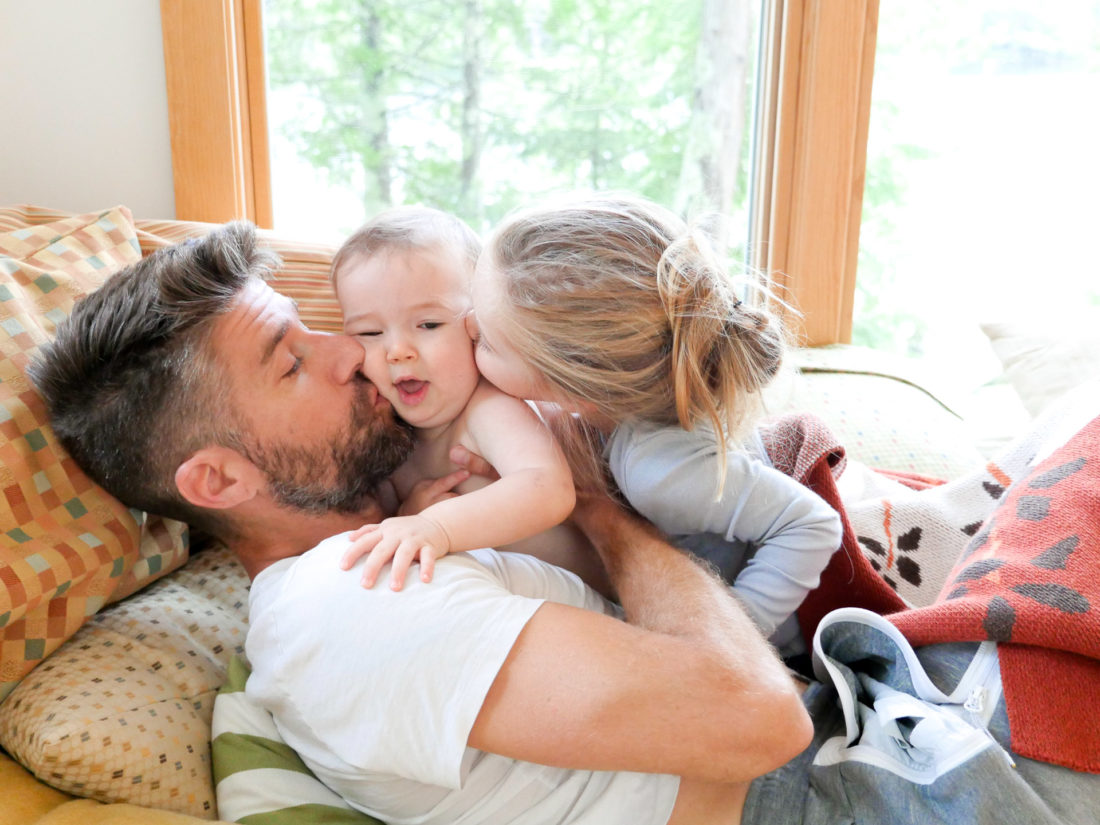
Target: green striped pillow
[[259, 780]]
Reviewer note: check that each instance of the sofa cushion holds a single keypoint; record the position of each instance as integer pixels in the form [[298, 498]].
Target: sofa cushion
[[121, 712], [259, 779], [1045, 361], [880, 408], [67, 548]]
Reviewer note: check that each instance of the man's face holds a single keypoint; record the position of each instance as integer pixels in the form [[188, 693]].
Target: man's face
[[309, 419]]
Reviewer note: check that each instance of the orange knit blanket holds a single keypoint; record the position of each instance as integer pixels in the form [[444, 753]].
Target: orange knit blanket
[[1029, 579]]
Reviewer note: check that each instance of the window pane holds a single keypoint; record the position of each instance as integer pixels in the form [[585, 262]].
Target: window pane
[[483, 105], [982, 175]]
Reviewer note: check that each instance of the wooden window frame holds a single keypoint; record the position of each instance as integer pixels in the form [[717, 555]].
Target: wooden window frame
[[214, 68], [817, 64], [812, 122]]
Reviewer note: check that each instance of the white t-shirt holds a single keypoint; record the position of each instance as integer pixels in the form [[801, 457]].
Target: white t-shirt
[[377, 691]]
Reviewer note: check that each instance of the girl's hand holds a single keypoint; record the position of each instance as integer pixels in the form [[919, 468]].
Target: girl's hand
[[401, 539]]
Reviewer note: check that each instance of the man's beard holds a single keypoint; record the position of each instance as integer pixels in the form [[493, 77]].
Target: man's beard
[[366, 452]]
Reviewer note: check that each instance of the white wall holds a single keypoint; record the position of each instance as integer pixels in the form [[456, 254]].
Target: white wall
[[84, 105]]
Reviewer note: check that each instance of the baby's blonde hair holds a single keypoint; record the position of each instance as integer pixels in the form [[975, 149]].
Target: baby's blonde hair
[[614, 300], [408, 228]]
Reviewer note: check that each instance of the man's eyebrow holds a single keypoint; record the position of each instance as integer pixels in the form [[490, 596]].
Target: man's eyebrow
[[273, 342]]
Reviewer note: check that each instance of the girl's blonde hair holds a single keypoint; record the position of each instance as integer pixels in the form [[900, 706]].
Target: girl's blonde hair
[[408, 228], [615, 300]]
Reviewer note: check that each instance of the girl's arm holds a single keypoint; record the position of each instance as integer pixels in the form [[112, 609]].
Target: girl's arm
[[534, 492], [670, 476]]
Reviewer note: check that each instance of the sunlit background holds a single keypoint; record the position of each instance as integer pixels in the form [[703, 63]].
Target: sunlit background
[[982, 171]]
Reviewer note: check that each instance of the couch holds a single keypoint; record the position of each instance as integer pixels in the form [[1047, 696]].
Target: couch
[[116, 630]]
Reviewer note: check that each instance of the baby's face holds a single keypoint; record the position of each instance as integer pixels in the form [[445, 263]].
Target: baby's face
[[407, 308]]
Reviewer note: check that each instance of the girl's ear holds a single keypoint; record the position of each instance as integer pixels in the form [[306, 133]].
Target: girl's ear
[[218, 478]]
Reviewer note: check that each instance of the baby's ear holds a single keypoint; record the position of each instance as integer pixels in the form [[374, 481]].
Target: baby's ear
[[218, 478]]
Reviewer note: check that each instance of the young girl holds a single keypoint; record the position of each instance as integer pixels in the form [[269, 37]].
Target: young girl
[[612, 309], [403, 283]]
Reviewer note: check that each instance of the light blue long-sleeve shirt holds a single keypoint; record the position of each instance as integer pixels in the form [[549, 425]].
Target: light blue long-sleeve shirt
[[767, 534]]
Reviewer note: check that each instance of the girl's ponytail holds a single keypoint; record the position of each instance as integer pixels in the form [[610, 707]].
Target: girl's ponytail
[[723, 351], [615, 303]]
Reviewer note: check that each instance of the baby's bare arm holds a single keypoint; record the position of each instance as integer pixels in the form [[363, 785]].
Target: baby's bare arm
[[535, 488]]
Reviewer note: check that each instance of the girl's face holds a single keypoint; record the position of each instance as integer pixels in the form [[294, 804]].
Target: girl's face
[[496, 359]]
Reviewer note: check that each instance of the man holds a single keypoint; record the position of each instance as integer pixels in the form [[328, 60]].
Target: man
[[501, 692]]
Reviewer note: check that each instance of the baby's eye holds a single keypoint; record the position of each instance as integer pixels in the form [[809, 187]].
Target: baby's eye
[[368, 334], [431, 325], [481, 343]]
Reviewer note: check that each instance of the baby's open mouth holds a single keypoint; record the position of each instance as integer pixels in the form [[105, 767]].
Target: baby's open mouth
[[411, 390]]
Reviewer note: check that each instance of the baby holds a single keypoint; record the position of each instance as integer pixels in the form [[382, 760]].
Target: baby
[[403, 284]]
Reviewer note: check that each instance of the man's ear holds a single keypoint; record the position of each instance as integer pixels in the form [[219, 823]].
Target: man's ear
[[218, 478]]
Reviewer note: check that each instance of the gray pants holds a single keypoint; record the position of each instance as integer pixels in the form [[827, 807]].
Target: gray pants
[[904, 736]]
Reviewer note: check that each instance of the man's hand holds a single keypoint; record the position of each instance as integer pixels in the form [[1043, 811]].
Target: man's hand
[[401, 539], [475, 464], [428, 491]]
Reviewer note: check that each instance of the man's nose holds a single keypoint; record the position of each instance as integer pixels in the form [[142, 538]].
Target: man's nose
[[346, 355]]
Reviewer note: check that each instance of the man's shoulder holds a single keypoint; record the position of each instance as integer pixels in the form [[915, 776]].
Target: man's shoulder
[[316, 573]]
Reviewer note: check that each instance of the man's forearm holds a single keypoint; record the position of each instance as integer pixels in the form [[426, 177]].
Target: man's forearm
[[652, 580], [666, 591]]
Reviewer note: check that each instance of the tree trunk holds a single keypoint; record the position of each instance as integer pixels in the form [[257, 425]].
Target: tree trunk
[[378, 177], [470, 194], [712, 153]]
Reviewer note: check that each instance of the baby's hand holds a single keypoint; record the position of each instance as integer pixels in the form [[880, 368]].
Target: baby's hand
[[402, 539]]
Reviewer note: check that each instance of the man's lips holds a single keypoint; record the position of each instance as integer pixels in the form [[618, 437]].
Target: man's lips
[[411, 391], [375, 399]]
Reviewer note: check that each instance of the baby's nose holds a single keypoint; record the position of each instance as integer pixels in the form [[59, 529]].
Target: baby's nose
[[400, 350]]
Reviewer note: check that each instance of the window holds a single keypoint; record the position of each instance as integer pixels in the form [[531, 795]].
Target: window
[[815, 71], [481, 106], [982, 175]]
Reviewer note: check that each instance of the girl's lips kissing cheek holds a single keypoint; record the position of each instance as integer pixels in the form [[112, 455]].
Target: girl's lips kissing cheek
[[411, 391]]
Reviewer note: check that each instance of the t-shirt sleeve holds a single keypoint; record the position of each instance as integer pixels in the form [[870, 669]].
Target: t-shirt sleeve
[[389, 683]]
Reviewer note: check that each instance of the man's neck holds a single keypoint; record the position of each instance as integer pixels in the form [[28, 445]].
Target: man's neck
[[286, 534]]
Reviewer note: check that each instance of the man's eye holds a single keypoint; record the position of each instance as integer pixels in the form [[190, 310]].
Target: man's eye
[[293, 368]]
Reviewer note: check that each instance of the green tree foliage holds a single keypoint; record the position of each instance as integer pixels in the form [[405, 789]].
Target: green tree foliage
[[482, 105]]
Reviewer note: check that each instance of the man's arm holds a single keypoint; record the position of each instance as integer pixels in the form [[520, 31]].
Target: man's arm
[[687, 686]]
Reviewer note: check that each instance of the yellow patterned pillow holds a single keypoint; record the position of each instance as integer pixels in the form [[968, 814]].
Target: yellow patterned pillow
[[121, 712], [67, 548]]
